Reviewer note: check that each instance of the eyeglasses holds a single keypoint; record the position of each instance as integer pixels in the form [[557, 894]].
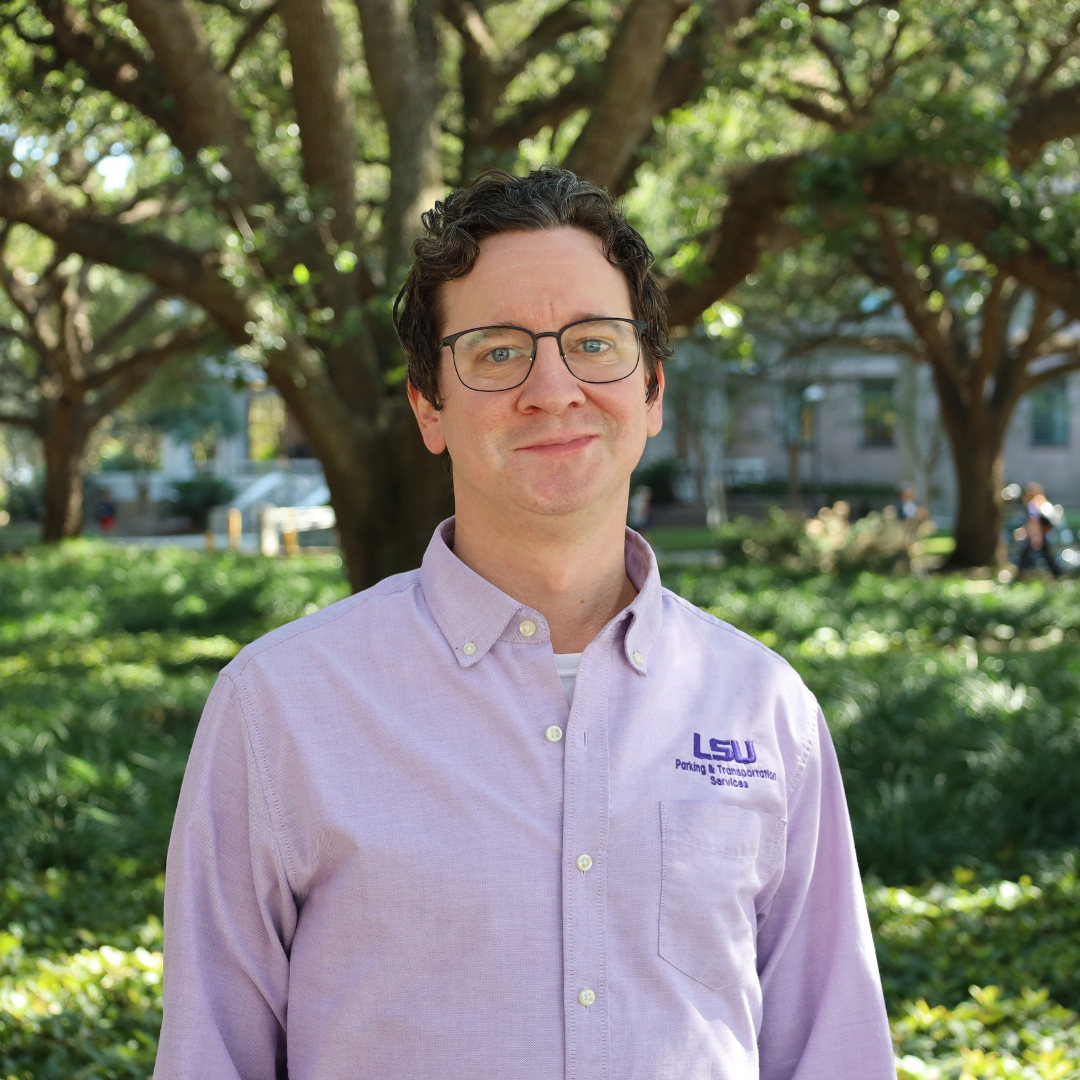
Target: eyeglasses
[[492, 358]]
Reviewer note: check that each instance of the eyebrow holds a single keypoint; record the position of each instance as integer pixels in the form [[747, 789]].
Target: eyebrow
[[579, 317]]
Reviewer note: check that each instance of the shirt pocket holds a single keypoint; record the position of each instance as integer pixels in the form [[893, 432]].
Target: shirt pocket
[[716, 858]]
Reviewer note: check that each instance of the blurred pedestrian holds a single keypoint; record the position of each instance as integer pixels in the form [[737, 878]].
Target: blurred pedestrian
[[106, 512], [907, 503], [1040, 518]]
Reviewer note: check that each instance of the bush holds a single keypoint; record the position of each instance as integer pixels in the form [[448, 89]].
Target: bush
[[195, 498], [953, 705], [661, 477], [25, 502], [826, 542]]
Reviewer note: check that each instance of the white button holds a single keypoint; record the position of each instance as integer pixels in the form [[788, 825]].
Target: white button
[[553, 733], [586, 997], [639, 659], [583, 862], [468, 648], [527, 627]]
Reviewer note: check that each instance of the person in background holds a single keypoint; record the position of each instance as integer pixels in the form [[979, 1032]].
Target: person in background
[[106, 512], [1039, 521], [907, 504]]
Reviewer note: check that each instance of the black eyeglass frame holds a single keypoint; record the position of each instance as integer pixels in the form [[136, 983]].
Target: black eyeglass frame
[[638, 324]]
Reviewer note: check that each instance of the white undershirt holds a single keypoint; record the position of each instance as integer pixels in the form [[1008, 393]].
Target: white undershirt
[[567, 664]]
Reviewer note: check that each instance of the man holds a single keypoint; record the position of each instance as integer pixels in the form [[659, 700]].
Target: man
[[521, 813]]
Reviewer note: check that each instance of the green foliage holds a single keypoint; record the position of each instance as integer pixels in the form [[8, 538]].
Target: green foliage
[[24, 501], [106, 658], [953, 704], [660, 477], [199, 495], [935, 941]]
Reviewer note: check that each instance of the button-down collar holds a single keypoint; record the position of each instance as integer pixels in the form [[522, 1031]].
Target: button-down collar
[[473, 614]]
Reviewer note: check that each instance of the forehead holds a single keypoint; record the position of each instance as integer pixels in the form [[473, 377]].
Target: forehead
[[540, 280]]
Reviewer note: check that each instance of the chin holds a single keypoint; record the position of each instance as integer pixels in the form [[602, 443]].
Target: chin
[[562, 498]]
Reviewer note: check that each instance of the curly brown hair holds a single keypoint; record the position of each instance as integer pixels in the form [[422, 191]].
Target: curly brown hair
[[498, 202]]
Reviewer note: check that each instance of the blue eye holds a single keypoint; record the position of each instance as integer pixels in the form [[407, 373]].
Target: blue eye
[[500, 356], [592, 345]]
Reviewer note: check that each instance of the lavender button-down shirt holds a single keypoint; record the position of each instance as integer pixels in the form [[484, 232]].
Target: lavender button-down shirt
[[399, 855]]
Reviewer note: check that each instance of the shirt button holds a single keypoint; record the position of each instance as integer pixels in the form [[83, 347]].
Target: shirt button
[[583, 862], [639, 659], [553, 733], [586, 997], [527, 627], [468, 648]]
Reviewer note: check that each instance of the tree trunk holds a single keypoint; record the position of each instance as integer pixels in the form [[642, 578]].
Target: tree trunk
[[979, 459], [64, 443], [409, 494]]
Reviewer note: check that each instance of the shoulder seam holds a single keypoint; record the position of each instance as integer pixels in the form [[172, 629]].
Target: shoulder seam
[[361, 599], [720, 624]]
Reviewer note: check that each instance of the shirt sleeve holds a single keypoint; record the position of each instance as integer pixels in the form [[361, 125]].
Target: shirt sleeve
[[823, 1012], [229, 913]]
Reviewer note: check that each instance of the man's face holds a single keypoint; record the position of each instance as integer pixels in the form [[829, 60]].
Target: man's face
[[552, 445]]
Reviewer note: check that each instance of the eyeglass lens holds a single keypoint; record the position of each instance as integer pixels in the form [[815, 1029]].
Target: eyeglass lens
[[499, 358]]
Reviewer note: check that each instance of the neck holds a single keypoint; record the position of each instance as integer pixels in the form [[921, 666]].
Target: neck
[[570, 568]]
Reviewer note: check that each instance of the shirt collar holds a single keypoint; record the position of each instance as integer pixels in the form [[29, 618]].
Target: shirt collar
[[473, 614]]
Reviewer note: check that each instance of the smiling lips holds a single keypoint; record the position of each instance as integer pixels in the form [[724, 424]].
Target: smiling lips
[[560, 445]]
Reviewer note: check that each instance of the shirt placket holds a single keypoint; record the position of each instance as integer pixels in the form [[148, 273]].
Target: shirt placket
[[584, 875]]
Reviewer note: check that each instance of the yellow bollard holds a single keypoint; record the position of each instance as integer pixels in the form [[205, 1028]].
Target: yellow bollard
[[292, 545], [209, 536], [235, 525]]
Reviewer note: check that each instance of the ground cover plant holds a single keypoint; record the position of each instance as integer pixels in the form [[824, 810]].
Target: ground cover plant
[[953, 703]]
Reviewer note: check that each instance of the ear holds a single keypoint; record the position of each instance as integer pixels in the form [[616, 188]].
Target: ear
[[654, 417], [429, 418]]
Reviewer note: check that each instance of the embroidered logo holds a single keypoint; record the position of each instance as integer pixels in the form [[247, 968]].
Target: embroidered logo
[[725, 751]]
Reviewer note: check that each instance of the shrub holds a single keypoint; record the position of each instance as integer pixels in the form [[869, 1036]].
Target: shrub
[[826, 542], [195, 498]]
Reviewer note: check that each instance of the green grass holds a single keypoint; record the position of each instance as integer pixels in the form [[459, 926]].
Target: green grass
[[689, 538], [953, 704]]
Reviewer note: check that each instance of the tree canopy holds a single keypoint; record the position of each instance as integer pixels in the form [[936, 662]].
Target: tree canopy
[[269, 163]]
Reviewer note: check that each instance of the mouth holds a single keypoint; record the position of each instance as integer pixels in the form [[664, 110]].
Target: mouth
[[559, 445]]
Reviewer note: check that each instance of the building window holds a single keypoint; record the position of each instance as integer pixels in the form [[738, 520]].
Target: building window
[[1050, 415], [878, 412], [799, 419]]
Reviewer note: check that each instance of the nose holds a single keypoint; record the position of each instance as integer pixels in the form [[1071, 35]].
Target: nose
[[549, 387]]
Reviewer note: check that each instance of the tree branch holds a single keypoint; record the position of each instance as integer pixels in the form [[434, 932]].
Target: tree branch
[[993, 337], [111, 62], [829, 53], [324, 108], [256, 25], [756, 202], [116, 333], [568, 18], [163, 347], [622, 114], [1058, 371], [906, 290], [579, 93], [923, 187], [404, 90], [176, 269], [1041, 120], [17, 420], [200, 93]]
